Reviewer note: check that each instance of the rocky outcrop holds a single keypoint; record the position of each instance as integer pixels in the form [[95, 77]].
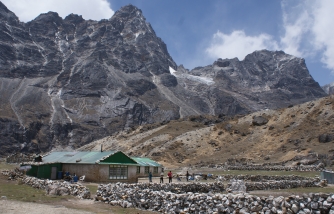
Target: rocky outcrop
[[66, 82], [259, 121], [329, 88], [325, 138]]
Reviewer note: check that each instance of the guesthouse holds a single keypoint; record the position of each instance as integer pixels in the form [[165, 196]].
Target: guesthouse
[[106, 166]]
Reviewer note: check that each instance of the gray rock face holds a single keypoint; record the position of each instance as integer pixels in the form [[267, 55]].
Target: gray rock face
[[325, 138], [66, 82], [259, 121], [264, 79], [329, 88]]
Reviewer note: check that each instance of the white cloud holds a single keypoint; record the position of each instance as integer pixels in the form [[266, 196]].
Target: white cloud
[[309, 29], [238, 44], [294, 33], [323, 31], [308, 32], [28, 10]]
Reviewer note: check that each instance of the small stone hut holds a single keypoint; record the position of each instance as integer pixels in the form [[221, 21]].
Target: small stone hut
[[106, 166]]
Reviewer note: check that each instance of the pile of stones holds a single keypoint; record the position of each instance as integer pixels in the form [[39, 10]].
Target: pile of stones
[[13, 174], [236, 186], [189, 202], [58, 187]]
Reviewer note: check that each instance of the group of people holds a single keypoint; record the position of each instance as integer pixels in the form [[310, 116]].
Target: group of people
[[169, 175]]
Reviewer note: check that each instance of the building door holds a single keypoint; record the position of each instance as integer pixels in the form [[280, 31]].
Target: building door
[[53, 173]]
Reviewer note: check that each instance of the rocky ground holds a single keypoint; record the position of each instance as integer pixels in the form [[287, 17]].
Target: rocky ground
[[300, 134]]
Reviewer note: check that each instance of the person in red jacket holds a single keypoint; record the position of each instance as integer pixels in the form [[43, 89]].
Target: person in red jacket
[[170, 176]]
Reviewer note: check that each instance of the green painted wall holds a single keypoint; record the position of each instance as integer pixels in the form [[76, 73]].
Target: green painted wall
[[32, 171], [119, 157], [44, 171]]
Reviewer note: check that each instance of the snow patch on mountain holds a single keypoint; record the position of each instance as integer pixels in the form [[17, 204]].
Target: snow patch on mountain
[[204, 80]]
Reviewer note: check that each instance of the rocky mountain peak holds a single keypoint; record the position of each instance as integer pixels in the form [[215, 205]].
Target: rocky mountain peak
[[131, 21], [74, 18], [7, 15], [48, 17], [128, 12]]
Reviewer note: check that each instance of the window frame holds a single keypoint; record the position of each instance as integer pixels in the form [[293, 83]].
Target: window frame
[[147, 169], [155, 169], [138, 170], [118, 172]]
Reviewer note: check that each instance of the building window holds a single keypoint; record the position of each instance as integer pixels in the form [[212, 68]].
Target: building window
[[147, 169], [138, 169], [155, 170], [118, 172]]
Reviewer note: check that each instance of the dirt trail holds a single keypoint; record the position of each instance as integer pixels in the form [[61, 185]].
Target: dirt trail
[[18, 207]]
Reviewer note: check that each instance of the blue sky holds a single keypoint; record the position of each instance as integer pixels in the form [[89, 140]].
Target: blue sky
[[198, 32]]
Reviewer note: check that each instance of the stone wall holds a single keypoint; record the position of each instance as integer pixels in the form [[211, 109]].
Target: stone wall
[[141, 196], [170, 187], [283, 184], [260, 178], [58, 187], [303, 168]]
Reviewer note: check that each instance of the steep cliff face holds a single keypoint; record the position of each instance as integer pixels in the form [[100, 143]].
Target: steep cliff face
[[69, 81], [66, 82]]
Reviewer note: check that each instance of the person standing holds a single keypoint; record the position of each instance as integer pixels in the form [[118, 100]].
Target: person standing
[[187, 175], [170, 176], [162, 177], [150, 176]]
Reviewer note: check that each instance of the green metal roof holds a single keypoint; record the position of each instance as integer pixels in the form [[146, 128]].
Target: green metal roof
[[76, 157], [145, 161], [106, 157]]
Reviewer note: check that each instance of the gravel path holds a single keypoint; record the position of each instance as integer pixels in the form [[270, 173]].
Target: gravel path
[[17, 207]]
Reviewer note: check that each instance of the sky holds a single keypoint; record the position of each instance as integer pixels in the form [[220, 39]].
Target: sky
[[199, 32]]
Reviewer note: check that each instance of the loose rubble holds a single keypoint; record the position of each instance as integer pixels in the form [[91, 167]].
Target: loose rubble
[[190, 202], [12, 174]]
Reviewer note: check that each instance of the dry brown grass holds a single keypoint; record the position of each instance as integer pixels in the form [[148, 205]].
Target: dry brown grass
[[290, 132]]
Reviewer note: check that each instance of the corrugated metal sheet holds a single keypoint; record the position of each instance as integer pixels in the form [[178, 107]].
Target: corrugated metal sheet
[[76, 157], [328, 175], [146, 161], [93, 157]]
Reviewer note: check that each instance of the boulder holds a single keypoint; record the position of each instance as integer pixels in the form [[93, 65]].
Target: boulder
[[325, 138], [259, 121]]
